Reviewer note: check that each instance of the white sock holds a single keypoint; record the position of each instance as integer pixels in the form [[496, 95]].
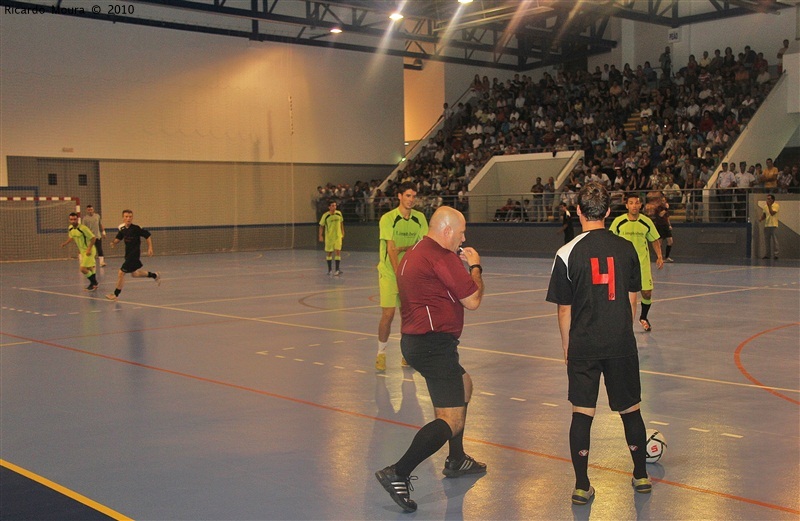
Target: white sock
[[382, 347]]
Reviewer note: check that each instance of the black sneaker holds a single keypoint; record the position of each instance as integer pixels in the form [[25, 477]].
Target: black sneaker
[[91, 287], [467, 465], [397, 487]]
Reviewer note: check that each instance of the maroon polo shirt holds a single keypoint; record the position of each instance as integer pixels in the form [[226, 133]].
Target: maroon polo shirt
[[432, 281]]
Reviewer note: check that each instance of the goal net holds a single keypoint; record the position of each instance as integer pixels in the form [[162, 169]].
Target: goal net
[[35, 227]]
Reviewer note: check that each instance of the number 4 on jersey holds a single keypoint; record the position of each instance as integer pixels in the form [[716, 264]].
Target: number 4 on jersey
[[604, 278]]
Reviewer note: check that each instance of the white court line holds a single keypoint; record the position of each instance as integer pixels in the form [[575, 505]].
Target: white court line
[[546, 404], [487, 351], [729, 435], [698, 430], [658, 423], [15, 344], [518, 399]]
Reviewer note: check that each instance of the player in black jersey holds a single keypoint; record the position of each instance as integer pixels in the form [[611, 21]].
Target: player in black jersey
[[132, 234], [594, 281]]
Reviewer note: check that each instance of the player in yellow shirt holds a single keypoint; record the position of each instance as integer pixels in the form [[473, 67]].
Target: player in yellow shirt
[[84, 240], [331, 232]]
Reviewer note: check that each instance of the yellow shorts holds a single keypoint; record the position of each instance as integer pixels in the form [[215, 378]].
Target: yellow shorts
[[334, 245], [647, 276], [387, 284], [89, 261]]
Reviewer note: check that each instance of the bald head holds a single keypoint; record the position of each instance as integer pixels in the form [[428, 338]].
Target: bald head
[[447, 228]]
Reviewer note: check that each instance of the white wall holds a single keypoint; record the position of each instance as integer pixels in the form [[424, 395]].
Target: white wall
[[117, 91]]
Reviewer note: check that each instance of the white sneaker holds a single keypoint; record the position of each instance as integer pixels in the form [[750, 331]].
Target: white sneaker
[[158, 279]]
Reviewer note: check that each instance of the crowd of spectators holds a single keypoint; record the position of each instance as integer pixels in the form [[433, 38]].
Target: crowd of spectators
[[680, 121]]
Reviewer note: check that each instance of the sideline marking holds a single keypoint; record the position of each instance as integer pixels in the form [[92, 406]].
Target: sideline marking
[[80, 498], [738, 359], [399, 423], [698, 430]]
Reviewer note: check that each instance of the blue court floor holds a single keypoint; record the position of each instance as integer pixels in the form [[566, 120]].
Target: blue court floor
[[243, 388]]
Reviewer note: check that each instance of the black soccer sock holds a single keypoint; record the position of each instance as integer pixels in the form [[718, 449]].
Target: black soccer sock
[[645, 309], [457, 442], [117, 292], [93, 279], [337, 264], [329, 264], [430, 438], [636, 436], [669, 249], [579, 436]]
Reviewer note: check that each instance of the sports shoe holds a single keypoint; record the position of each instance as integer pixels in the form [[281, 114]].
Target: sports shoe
[[581, 497], [668, 259], [337, 273], [404, 363], [91, 287], [111, 296], [330, 273], [642, 486], [158, 278], [645, 324], [380, 362], [458, 468], [398, 487]]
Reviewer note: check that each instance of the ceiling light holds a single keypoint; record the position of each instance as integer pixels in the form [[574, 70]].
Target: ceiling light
[[464, 1], [396, 16], [336, 30]]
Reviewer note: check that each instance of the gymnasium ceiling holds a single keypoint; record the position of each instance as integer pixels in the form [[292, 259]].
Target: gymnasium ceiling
[[516, 35]]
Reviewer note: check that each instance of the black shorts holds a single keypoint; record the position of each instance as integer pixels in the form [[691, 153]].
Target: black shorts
[[621, 376], [129, 266], [664, 231], [435, 356]]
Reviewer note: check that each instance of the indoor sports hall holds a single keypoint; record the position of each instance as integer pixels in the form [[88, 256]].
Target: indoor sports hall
[[243, 388], [239, 381]]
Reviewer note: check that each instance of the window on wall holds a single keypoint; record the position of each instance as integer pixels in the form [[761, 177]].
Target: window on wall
[[52, 179], [83, 180]]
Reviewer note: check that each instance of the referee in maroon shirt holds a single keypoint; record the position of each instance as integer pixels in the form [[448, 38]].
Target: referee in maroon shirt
[[434, 290]]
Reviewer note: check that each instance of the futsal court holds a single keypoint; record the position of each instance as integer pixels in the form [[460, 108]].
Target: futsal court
[[243, 388]]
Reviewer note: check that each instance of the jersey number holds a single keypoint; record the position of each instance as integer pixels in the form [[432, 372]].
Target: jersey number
[[604, 278]]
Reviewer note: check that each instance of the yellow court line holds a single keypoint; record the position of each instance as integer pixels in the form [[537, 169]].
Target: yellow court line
[[15, 344], [65, 491]]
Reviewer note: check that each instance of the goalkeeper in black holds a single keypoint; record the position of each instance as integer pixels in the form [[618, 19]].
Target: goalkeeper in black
[[594, 281]]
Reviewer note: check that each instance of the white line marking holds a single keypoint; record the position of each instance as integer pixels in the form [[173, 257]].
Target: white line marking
[[729, 435], [518, 399], [382, 375], [262, 352], [287, 348], [338, 341], [338, 367], [313, 345], [279, 356], [299, 360], [360, 371], [658, 423], [15, 344], [318, 363], [698, 430], [487, 393], [549, 404]]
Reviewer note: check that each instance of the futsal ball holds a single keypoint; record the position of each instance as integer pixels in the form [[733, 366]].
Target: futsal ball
[[121, 226], [656, 445]]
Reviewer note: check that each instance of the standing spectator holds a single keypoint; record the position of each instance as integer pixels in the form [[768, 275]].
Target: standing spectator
[[657, 209], [434, 291], [770, 218], [331, 232], [132, 234], [694, 202], [785, 180], [726, 182], [666, 63], [93, 221], [538, 201], [549, 197], [400, 229], [744, 183], [640, 231], [781, 52], [594, 282], [769, 177], [567, 223], [85, 241]]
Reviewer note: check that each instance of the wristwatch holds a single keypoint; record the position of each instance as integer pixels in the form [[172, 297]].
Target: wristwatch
[[476, 266]]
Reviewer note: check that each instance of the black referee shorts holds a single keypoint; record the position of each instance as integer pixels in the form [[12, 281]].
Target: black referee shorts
[[621, 376], [435, 356], [129, 266]]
